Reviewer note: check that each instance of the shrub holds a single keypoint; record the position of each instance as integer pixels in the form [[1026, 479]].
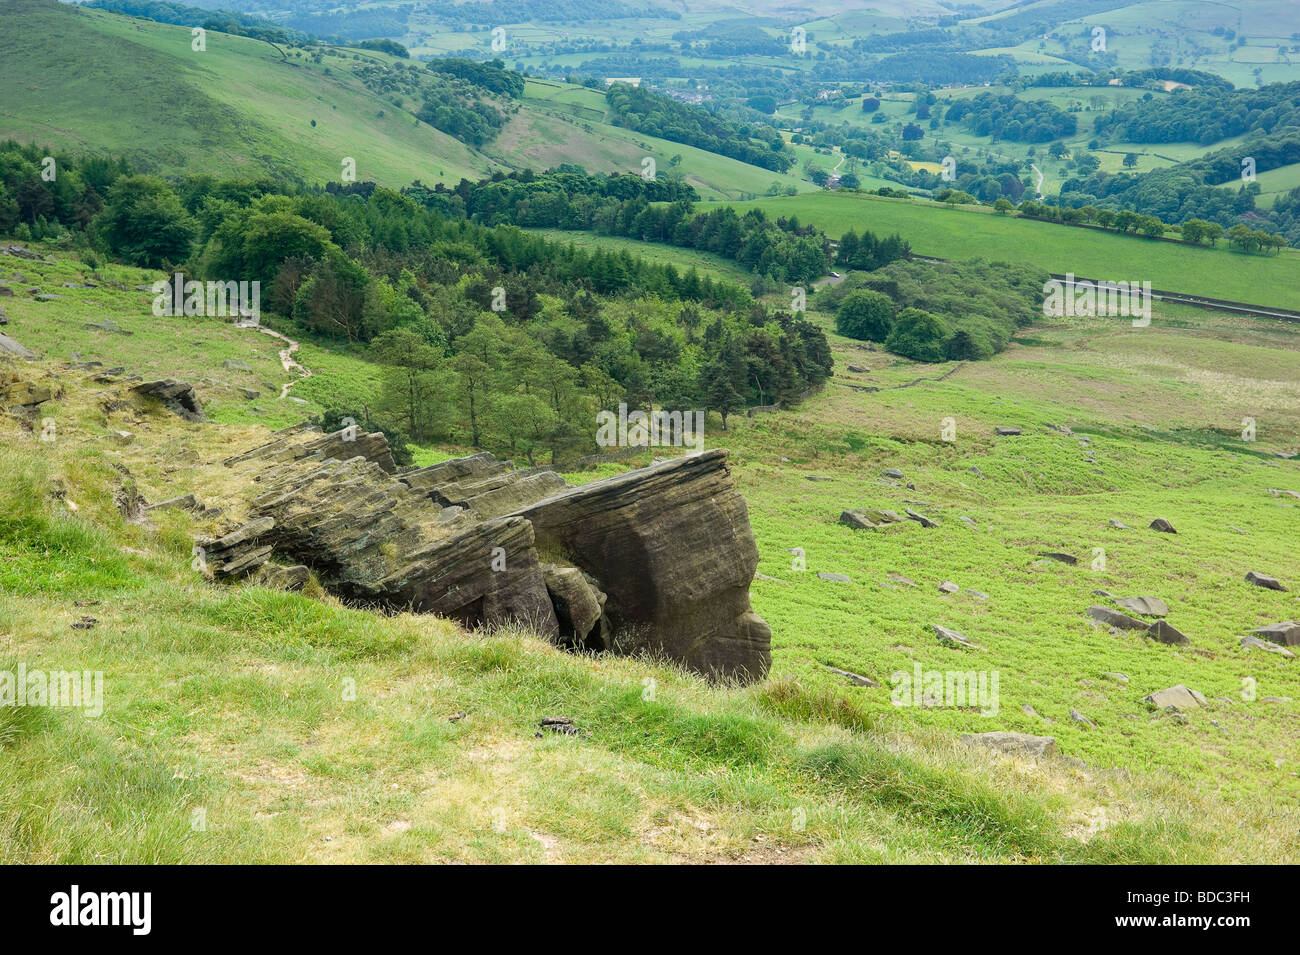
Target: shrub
[[918, 335], [865, 315]]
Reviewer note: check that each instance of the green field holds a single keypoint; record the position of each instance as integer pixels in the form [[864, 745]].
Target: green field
[[706, 263], [1276, 183], [563, 123], [972, 233]]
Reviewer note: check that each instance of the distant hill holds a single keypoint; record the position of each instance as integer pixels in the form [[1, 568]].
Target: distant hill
[[88, 80]]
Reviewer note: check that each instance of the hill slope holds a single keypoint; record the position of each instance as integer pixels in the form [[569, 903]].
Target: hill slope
[[86, 80]]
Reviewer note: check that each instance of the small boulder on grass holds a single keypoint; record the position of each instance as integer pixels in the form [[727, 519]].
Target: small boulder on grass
[[1176, 698], [1163, 526], [1263, 580], [857, 679], [953, 638], [1113, 618], [1251, 642], [1165, 632], [1146, 606], [1286, 633]]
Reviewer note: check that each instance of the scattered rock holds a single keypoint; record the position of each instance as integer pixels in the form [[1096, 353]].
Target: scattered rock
[[1117, 677], [858, 369], [900, 579], [85, 623], [10, 347], [1165, 632], [1078, 717], [836, 578], [977, 594], [1176, 697], [579, 608], [1286, 634], [1007, 432], [953, 637], [1119, 524], [457, 716], [966, 520], [283, 578], [108, 326], [47, 297], [186, 502], [16, 392], [894, 473], [948, 587], [1163, 526], [855, 678], [874, 519], [559, 724], [920, 518], [1113, 618], [1016, 744], [236, 365], [1263, 580], [1063, 558], [177, 396], [1252, 642], [1146, 606], [250, 393]]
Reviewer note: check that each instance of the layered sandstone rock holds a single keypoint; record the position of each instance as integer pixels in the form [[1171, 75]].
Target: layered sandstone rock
[[672, 548], [655, 561]]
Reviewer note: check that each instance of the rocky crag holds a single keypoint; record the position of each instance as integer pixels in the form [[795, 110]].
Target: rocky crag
[[656, 561]]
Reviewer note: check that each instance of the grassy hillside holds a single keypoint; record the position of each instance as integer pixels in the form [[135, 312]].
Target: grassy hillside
[[85, 80], [563, 123], [1157, 417], [231, 731], [979, 232]]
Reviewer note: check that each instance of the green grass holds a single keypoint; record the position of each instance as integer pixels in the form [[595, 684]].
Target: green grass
[[1276, 183], [189, 348], [561, 123], [1190, 379], [933, 229], [87, 80]]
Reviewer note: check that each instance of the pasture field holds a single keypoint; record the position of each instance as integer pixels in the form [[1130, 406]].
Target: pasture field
[[972, 232]]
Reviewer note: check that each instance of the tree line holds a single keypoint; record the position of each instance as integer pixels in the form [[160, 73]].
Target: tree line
[[487, 335]]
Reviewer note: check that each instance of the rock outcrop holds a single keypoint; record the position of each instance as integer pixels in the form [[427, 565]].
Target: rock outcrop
[[672, 549], [656, 561], [177, 397]]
